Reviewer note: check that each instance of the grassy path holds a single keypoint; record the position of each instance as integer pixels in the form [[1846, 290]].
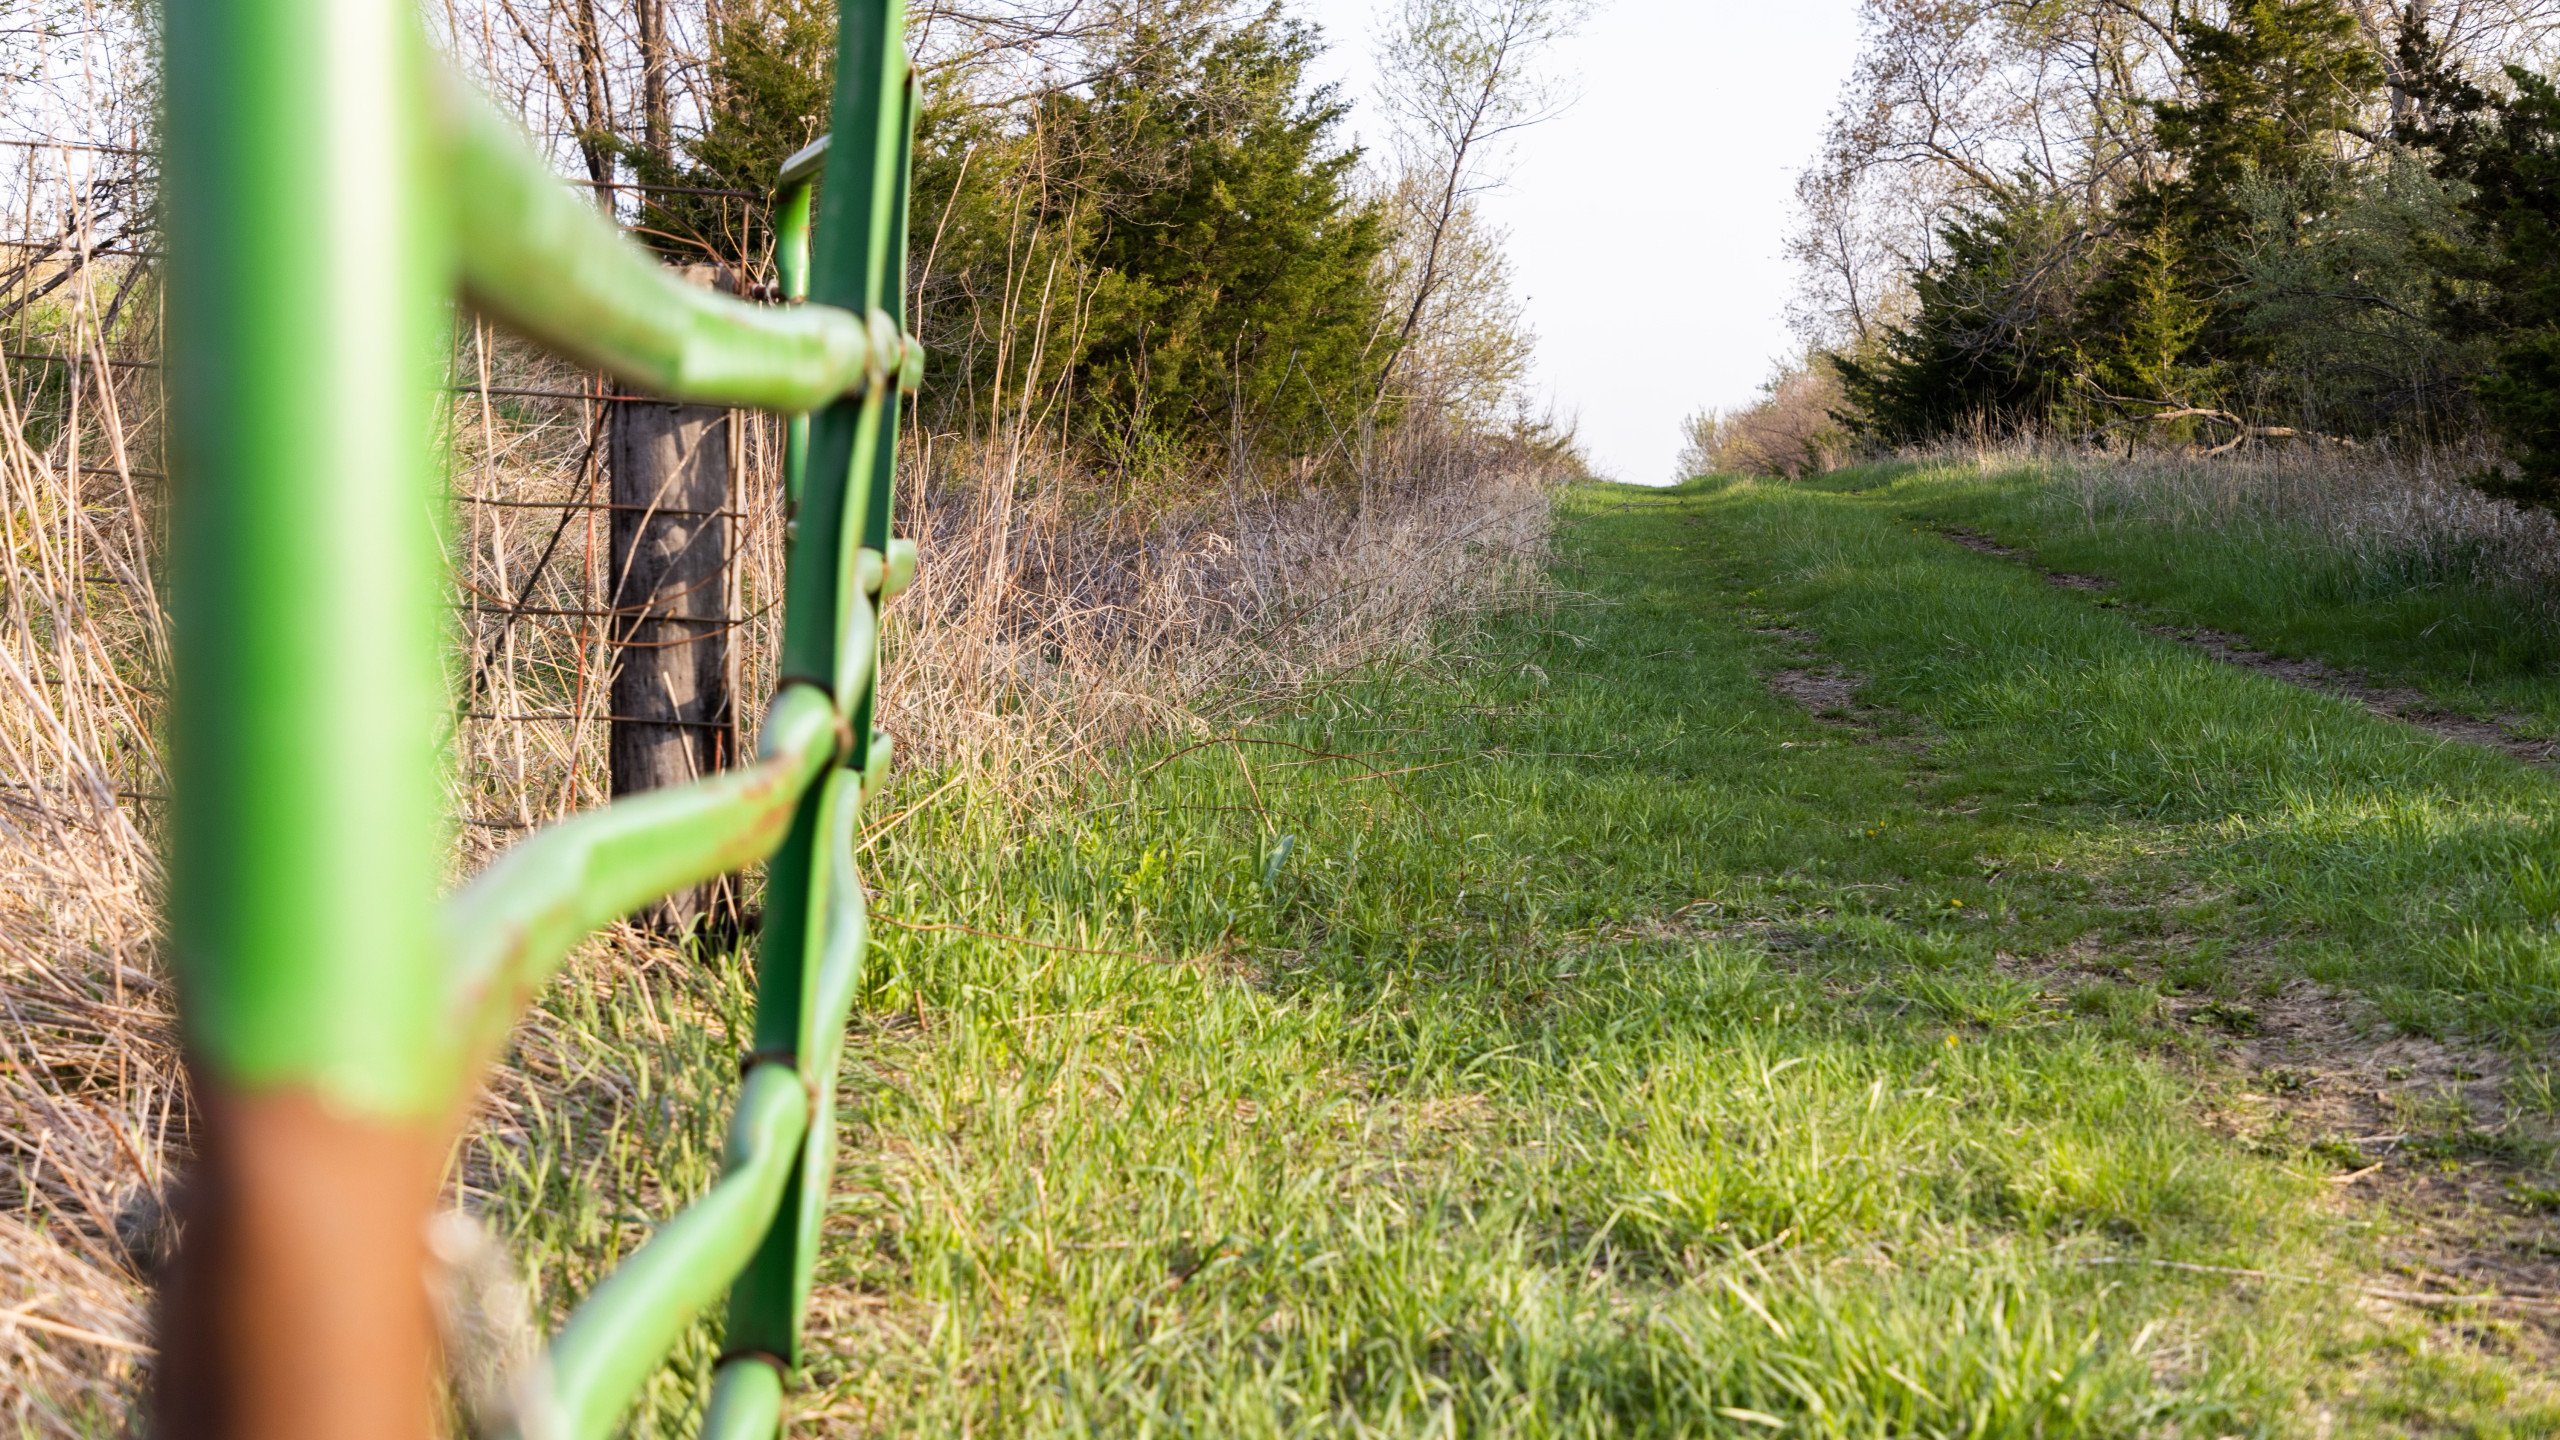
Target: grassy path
[[1579, 1035], [2403, 608], [2467, 721]]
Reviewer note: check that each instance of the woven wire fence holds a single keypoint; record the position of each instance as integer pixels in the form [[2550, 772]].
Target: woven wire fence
[[535, 607], [91, 1096]]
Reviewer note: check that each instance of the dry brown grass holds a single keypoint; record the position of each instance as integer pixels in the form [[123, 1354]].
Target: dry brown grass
[[2399, 518], [1043, 629], [90, 1104], [1046, 627]]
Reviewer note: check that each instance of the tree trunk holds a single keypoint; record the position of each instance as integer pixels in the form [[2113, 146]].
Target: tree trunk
[[595, 136], [674, 670], [657, 123]]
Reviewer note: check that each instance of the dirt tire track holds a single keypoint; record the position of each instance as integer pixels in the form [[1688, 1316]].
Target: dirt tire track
[[2310, 1065], [2506, 734], [2424, 1116]]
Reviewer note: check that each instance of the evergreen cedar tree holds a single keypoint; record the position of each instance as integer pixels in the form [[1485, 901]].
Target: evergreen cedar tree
[[2035, 312], [2502, 289], [1179, 246]]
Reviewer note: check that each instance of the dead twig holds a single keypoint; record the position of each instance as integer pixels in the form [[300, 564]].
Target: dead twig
[[2378, 1292]]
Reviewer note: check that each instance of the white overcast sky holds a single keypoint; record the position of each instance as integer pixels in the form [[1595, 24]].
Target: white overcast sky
[[1647, 221]]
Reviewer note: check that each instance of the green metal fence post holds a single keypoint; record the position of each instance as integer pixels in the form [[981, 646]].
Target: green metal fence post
[[791, 273], [309, 259], [329, 186], [829, 637]]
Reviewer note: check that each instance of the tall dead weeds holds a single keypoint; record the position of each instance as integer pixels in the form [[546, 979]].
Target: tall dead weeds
[[2391, 519]]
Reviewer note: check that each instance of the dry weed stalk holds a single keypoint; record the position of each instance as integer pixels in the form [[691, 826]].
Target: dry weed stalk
[[1041, 631], [90, 1099]]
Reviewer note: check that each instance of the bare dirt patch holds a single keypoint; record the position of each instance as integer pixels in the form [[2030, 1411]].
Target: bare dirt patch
[[1985, 545], [1827, 692], [2421, 1129]]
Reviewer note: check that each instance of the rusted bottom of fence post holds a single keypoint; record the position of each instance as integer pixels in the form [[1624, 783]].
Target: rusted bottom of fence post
[[297, 1308]]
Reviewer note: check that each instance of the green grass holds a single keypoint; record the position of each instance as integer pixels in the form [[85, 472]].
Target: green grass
[[2412, 615], [1566, 1036]]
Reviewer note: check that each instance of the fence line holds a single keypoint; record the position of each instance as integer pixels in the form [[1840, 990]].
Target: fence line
[[338, 1019]]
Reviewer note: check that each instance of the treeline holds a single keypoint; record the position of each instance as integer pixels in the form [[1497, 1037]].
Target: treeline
[[1140, 229], [2130, 223]]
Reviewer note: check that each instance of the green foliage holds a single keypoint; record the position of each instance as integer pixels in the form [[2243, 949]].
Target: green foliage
[[2141, 326], [2273, 85], [2279, 258], [2521, 393], [1170, 262], [772, 75], [1234, 292], [1989, 344], [2344, 320], [2502, 290], [2284, 261]]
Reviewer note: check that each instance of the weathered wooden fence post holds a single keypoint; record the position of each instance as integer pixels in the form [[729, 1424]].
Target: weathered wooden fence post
[[672, 592]]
